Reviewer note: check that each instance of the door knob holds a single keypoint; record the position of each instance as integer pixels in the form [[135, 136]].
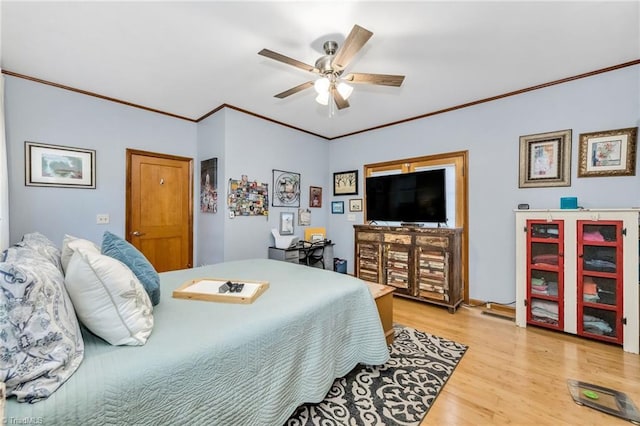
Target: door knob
[[137, 234]]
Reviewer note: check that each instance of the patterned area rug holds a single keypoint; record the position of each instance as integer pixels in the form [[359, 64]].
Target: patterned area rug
[[399, 392]]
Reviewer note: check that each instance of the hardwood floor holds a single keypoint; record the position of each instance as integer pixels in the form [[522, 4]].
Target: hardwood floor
[[518, 376]]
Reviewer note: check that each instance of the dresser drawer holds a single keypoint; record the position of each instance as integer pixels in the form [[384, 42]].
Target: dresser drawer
[[428, 240], [368, 236], [397, 239], [292, 255]]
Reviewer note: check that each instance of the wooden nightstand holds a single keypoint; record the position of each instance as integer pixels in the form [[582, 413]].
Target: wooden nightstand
[[383, 294]]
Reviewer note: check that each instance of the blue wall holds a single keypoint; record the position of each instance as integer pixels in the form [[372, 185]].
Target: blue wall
[[209, 231], [248, 145], [255, 147], [490, 132], [40, 113]]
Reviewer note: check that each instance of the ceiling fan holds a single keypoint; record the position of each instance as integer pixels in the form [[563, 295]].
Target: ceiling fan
[[332, 85]]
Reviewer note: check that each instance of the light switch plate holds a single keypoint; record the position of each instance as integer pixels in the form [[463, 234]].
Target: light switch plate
[[351, 217]]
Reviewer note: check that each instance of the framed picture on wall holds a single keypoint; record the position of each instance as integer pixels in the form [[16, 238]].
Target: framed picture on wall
[[545, 159], [315, 196], [286, 189], [345, 183], [337, 207], [59, 166], [286, 223], [608, 153], [209, 185], [355, 205]]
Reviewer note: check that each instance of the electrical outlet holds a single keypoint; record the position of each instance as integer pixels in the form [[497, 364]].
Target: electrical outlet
[[102, 219]]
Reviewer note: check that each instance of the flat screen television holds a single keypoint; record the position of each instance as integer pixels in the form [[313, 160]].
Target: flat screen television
[[418, 197]]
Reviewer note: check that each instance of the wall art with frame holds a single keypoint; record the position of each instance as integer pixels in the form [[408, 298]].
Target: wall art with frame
[[608, 153], [209, 185], [545, 159], [337, 207], [59, 166], [355, 205], [304, 217], [345, 183], [286, 223], [286, 189], [315, 196]]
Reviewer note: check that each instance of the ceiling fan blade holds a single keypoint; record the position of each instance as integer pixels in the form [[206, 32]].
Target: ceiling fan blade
[[352, 45], [287, 60], [339, 100], [380, 79], [293, 90]]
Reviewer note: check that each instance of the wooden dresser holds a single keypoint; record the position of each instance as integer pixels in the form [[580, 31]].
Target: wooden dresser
[[419, 263]]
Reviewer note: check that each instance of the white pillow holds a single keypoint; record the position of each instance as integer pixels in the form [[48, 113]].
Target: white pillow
[[108, 298], [70, 244]]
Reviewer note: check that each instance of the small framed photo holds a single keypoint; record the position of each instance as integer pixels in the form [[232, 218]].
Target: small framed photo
[[345, 183], [608, 153], [59, 166], [545, 159], [286, 223], [315, 196], [355, 205], [337, 207], [304, 217]]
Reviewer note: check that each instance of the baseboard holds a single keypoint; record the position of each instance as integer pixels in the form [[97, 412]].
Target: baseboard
[[494, 309]]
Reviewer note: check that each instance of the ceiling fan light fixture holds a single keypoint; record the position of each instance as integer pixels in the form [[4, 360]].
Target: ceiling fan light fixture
[[323, 98], [322, 86], [332, 89], [345, 90]]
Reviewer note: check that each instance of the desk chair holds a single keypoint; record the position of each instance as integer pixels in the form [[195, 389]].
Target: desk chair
[[312, 253]]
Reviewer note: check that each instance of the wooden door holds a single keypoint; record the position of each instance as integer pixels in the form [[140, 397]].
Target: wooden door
[[160, 208]]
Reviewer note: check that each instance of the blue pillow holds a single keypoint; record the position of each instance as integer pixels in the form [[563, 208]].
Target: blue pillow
[[125, 252]]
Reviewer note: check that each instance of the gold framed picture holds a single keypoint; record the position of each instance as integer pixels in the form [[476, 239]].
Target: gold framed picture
[[608, 153], [545, 159]]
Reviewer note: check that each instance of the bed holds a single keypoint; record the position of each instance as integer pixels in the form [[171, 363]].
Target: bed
[[224, 363]]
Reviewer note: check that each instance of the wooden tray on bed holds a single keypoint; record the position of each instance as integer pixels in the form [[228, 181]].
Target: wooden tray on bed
[[207, 289]]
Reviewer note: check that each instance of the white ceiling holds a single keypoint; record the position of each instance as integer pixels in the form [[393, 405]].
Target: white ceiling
[[188, 58]]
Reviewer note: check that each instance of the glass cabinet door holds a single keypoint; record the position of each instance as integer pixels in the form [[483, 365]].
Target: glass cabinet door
[[600, 280], [545, 276]]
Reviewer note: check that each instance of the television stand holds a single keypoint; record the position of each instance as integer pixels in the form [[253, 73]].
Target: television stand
[[420, 263]]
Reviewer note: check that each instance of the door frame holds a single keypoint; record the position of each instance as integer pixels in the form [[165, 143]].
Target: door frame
[[130, 153]]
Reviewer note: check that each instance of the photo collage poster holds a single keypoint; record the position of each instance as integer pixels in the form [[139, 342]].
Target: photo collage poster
[[248, 198]]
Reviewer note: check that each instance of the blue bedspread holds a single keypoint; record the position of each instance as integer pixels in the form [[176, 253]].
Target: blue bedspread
[[209, 363]]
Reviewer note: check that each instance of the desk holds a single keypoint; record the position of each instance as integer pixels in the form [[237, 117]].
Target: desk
[[287, 255], [293, 254]]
